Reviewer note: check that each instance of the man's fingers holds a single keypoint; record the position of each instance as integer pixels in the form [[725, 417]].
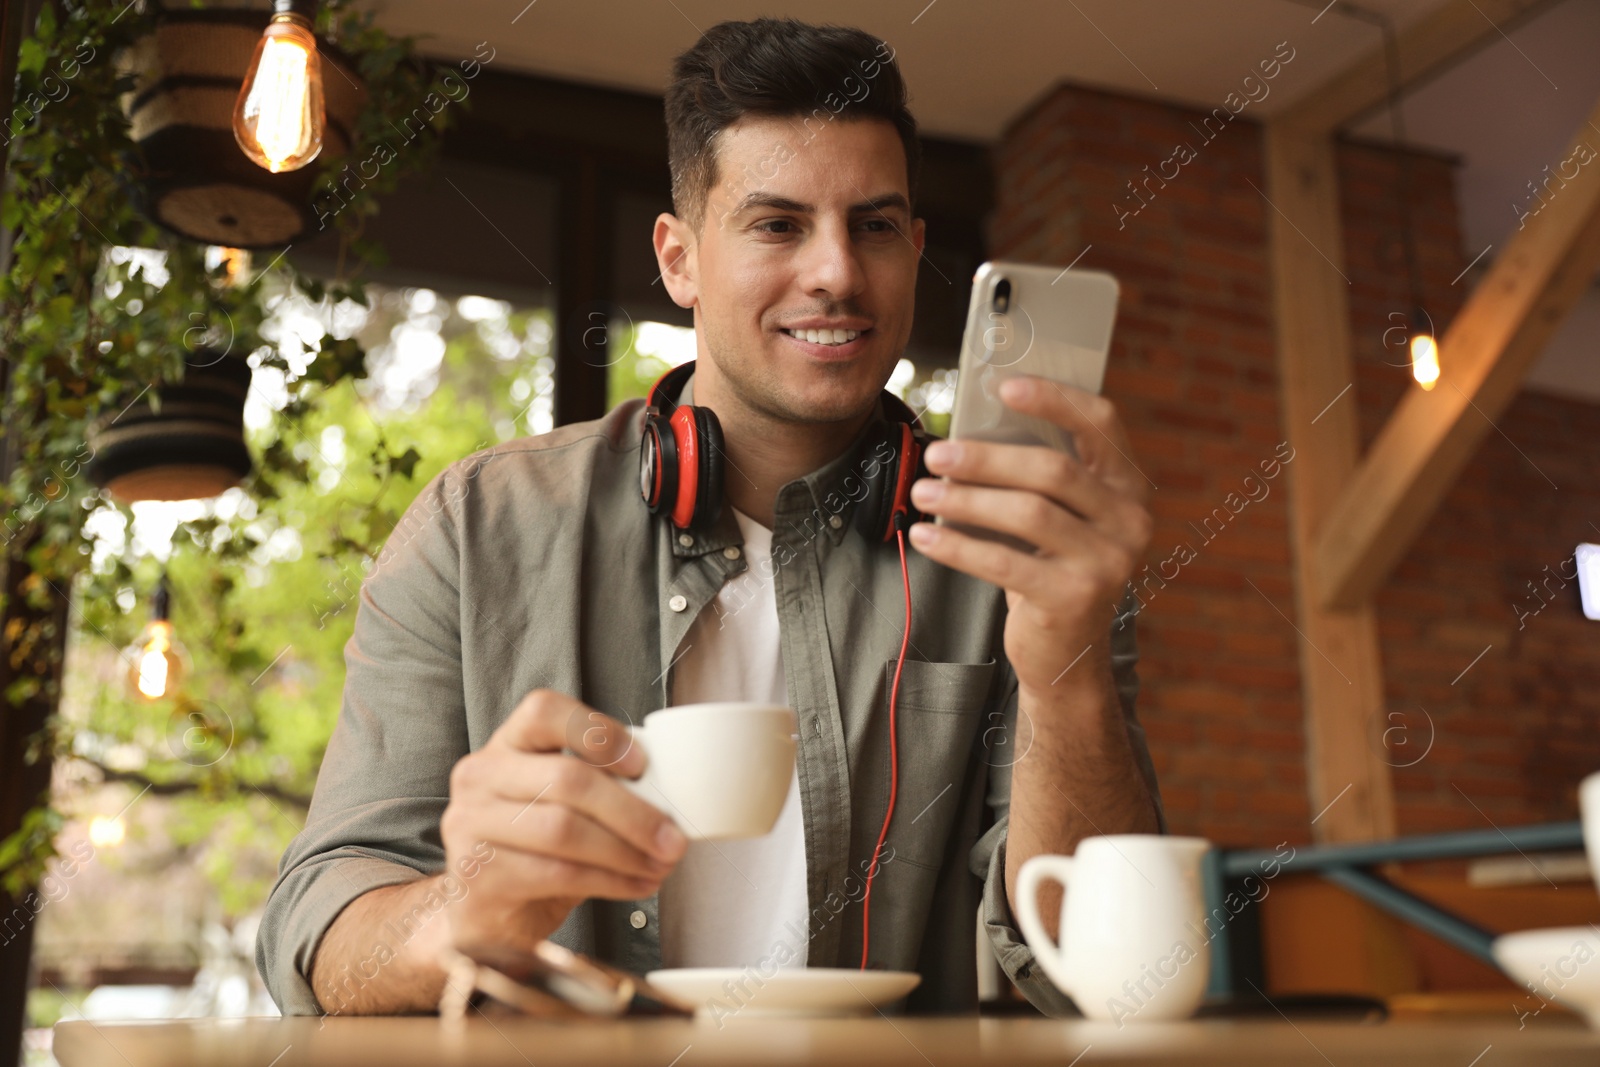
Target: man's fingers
[[1032, 467], [602, 741], [1091, 419], [539, 722], [1031, 517], [557, 832], [547, 721], [551, 780], [568, 878], [1001, 565], [1036, 517]]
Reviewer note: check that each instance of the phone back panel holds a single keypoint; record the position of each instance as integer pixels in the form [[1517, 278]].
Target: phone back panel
[[1055, 324]]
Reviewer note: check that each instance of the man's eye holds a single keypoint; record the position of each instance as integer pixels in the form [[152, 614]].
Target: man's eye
[[879, 225], [767, 226]]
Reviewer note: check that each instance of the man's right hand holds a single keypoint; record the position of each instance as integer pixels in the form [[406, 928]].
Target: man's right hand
[[563, 827]]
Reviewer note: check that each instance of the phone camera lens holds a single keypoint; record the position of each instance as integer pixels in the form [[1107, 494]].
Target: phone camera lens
[[1002, 295]]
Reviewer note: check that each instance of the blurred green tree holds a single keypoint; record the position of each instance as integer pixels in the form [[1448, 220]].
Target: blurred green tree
[[265, 579]]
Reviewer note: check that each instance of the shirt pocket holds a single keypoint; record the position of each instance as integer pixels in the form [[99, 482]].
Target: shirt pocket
[[937, 719]]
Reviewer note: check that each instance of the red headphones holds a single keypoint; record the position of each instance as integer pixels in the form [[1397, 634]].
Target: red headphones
[[681, 457]]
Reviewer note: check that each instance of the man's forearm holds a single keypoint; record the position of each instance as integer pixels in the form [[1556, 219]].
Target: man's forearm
[[1077, 778], [379, 955]]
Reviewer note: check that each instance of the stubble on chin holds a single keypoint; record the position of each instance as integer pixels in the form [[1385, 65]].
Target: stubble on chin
[[768, 396]]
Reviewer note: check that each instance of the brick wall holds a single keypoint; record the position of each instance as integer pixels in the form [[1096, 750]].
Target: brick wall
[[1194, 372]]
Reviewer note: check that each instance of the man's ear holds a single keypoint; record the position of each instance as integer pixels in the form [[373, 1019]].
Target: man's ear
[[675, 255], [919, 233]]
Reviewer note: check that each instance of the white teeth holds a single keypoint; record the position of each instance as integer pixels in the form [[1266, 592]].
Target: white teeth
[[825, 337]]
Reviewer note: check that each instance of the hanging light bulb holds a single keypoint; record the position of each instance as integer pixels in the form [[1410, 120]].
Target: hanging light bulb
[[156, 661], [1424, 351], [234, 262], [107, 831], [278, 118]]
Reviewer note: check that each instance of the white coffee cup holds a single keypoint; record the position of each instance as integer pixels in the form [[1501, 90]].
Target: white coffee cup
[[720, 770], [1589, 805], [1133, 937]]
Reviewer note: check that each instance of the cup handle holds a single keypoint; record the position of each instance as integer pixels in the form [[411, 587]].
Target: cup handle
[[1049, 953]]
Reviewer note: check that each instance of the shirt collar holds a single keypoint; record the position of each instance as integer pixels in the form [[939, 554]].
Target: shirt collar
[[833, 490], [809, 503]]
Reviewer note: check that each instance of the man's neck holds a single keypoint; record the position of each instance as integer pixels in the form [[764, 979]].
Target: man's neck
[[763, 453]]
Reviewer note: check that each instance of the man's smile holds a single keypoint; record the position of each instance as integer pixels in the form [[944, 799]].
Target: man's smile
[[828, 342]]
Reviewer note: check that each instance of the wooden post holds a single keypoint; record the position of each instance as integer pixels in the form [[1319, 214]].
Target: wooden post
[[1342, 674]]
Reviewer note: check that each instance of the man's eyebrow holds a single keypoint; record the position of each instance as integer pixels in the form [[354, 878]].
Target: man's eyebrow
[[783, 203], [882, 201]]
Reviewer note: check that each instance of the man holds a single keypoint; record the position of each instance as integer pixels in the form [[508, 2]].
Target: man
[[528, 605]]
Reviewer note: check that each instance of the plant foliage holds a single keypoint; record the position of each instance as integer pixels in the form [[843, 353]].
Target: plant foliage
[[96, 305]]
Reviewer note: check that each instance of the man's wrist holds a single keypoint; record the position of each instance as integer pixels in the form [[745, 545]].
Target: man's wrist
[[1082, 697], [422, 949], [381, 954]]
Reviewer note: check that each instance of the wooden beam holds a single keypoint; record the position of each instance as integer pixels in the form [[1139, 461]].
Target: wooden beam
[[1341, 672], [1426, 48], [1484, 356]]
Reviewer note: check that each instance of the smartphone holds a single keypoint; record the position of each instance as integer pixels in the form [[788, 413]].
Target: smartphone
[[550, 981], [1028, 319]]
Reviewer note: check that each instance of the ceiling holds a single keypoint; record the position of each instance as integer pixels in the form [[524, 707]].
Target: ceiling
[[1505, 111], [1009, 52]]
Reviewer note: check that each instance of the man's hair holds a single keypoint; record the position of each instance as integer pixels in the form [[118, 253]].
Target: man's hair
[[777, 68]]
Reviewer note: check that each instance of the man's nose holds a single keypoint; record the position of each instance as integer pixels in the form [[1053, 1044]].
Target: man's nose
[[831, 264]]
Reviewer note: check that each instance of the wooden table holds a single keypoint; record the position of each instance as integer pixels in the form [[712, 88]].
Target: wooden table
[[881, 1042]]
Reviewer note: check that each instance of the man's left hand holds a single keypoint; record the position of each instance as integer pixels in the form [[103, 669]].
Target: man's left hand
[[1086, 517]]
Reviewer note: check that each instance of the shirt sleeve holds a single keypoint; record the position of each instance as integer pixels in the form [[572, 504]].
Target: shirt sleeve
[[384, 781], [988, 857]]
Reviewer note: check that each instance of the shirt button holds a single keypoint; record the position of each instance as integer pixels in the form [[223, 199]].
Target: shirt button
[[836, 522], [637, 920], [686, 540], [678, 603], [731, 552]]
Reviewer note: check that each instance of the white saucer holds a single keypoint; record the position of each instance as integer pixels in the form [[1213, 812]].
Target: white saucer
[[724, 992], [1561, 964]]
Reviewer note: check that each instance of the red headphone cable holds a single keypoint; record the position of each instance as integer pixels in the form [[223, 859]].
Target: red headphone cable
[[894, 755]]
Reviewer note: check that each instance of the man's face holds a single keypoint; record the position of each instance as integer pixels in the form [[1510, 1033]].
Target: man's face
[[804, 229]]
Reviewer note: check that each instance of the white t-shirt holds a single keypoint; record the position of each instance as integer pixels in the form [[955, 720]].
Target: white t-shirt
[[734, 903]]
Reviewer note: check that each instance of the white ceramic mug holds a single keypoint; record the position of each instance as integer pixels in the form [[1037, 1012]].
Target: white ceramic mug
[[1589, 805], [1133, 937], [720, 770]]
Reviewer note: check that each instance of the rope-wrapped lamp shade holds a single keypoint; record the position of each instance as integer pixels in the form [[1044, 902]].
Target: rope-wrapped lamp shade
[[178, 441]]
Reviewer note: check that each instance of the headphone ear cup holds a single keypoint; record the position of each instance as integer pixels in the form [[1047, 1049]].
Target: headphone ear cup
[[916, 445], [658, 465], [908, 456], [708, 502]]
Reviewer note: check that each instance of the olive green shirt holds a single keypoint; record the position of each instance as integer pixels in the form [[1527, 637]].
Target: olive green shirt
[[535, 564]]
